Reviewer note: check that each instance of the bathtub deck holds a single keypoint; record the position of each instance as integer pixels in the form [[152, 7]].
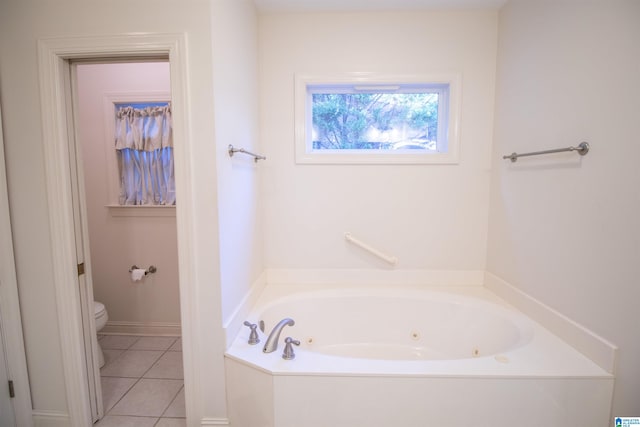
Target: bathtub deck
[[544, 382]]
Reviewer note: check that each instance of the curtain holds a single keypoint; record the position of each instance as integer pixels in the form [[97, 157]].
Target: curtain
[[144, 148]]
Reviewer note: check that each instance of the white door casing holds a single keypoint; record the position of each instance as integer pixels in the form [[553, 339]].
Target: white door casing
[[54, 56], [7, 416], [13, 360]]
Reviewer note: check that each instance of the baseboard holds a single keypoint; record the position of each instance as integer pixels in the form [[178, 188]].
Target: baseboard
[[600, 351], [61, 419], [142, 328], [50, 419], [215, 422]]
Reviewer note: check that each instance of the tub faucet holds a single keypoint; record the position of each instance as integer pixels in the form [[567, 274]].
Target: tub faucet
[[272, 342]]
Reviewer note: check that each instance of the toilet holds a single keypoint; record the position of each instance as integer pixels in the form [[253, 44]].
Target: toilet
[[101, 320]]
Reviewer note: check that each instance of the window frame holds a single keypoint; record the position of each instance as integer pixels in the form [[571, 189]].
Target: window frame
[[110, 102], [306, 84]]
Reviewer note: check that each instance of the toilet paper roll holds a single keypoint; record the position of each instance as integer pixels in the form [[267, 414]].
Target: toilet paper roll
[[137, 274]]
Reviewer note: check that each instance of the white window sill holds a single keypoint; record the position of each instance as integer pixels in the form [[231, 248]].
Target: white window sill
[[140, 210]]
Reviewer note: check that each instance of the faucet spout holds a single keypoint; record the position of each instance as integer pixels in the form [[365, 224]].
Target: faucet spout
[[272, 342]]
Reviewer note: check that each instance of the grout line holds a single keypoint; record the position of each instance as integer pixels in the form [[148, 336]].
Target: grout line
[[143, 374], [112, 360], [132, 344], [163, 352], [153, 364], [123, 395], [172, 400], [157, 360]]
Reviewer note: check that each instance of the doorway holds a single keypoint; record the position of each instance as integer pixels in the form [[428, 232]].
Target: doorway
[[141, 373], [55, 57]]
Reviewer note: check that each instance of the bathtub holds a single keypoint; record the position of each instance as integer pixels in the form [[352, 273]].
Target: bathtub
[[406, 356]]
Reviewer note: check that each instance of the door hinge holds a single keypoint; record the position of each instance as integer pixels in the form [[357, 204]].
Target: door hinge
[[81, 269], [12, 392]]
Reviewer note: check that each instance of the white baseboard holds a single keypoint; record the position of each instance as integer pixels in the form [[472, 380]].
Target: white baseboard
[[142, 328], [600, 351], [61, 419], [50, 419], [215, 422]]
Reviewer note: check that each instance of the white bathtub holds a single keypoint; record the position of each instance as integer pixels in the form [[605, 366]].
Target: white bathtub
[[377, 323], [409, 356]]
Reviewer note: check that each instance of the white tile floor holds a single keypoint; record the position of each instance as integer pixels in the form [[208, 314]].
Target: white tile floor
[[142, 382]]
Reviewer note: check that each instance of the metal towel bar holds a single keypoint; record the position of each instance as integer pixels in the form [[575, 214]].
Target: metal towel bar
[[582, 149], [256, 157]]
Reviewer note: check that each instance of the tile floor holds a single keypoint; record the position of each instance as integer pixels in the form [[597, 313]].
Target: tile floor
[[142, 382]]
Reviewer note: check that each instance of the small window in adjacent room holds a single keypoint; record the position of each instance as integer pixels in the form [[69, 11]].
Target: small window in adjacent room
[[365, 118], [144, 151]]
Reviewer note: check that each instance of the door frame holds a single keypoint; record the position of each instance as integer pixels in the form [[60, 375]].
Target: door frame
[[10, 308], [54, 58]]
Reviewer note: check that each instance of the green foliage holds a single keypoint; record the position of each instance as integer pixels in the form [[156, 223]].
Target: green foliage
[[374, 120]]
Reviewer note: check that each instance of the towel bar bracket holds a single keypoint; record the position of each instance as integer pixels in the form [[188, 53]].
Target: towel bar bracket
[[232, 150]]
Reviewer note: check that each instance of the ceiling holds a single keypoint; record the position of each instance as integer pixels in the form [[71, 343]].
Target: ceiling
[[370, 5]]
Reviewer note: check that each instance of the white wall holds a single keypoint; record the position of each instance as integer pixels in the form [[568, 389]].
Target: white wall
[[118, 242], [566, 229], [571, 245], [430, 216], [235, 74], [22, 23]]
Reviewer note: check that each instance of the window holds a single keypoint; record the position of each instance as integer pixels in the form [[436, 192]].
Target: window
[[365, 118], [144, 149]]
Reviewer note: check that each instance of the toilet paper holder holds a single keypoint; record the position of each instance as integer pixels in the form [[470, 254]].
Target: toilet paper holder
[[152, 269]]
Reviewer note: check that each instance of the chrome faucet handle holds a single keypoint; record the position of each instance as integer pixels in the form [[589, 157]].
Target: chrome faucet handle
[[288, 353], [253, 336]]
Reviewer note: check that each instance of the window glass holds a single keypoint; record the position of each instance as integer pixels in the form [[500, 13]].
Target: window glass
[[379, 120], [375, 120]]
